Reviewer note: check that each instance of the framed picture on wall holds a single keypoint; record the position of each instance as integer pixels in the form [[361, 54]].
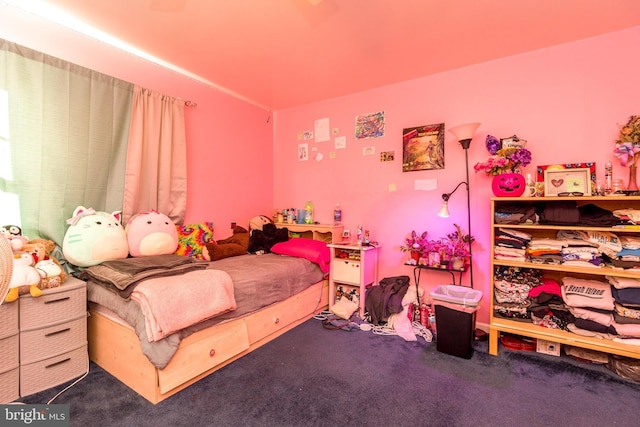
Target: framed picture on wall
[[423, 148], [567, 182]]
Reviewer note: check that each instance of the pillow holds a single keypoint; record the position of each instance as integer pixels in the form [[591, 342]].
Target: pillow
[[301, 247], [214, 252], [192, 238]]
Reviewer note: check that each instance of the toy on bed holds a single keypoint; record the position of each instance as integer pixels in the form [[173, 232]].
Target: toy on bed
[[94, 237], [237, 244], [25, 278], [13, 233], [151, 233], [49, 268], [261, 241]]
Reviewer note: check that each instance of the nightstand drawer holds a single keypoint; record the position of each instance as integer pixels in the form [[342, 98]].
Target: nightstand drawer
[[48, 341], [69, 301], [9, 385], [9, 352], [346, 271], [38, 376], [8, 319]]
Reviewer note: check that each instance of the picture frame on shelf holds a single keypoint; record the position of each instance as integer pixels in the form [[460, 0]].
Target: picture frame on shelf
[[589, 165], [567, 182]]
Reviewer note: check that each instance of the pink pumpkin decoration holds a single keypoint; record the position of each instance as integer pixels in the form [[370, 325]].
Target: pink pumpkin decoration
[[508, 185], [151, 233]]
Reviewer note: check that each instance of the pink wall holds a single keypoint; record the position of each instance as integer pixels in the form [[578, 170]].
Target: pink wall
[[567, 101], [229, 142]]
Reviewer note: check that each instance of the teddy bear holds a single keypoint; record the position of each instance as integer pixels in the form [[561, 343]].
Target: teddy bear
[[235, 245], [24, 278], [13, 233], [49, 268], [261, 241]]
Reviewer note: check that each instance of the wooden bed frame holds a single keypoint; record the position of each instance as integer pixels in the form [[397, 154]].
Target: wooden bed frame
[[116, 348]]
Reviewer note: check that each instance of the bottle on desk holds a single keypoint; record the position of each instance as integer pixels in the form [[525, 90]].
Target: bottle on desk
[[337, 214], [308, 213]]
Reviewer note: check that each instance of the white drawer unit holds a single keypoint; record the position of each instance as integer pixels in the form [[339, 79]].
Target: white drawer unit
[[53, 336], [9, 353], [353, 267]]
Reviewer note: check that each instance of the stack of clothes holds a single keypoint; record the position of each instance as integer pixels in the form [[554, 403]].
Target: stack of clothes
[[511, 245], [629, 255], [579, 251], [547, 306], [545, 251], [626, 314], [591, 303], [511, 291]]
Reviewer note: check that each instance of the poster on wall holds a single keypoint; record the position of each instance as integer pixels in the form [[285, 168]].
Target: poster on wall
[[370, 125], [423, 148]]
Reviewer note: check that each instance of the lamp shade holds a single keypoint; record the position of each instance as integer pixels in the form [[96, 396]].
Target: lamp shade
[[464, 132], [444, 210]]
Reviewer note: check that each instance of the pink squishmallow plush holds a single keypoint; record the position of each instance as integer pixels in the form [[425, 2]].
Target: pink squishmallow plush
[[151, 233], [94, 237]]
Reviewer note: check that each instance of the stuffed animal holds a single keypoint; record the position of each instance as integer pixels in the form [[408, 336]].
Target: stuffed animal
[[49, 268], [25, 278], [13, 233], [237, 244], [263, 240], [94, 237], [258, 222], [151, 233]]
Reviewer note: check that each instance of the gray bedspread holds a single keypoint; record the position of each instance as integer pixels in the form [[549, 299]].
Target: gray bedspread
[[258, 281]]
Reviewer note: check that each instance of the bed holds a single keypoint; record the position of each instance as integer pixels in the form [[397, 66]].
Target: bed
[[273, 294]]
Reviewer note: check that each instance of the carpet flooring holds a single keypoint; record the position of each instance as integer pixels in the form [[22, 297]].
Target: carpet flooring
[[312, 376]]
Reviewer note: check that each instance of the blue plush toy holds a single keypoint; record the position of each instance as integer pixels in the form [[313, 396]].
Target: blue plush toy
[[94, 237]]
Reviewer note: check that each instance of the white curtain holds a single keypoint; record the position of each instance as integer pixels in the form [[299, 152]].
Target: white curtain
[[156, 170]]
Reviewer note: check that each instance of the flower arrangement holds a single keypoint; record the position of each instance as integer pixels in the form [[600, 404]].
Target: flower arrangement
[[628, 143], [457, 244], [416, 243], [504, 159]]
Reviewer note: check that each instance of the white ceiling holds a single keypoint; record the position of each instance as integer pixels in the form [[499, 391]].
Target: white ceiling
[[284, 53]]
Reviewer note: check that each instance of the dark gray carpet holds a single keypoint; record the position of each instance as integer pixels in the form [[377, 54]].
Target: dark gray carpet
[[311, 376]]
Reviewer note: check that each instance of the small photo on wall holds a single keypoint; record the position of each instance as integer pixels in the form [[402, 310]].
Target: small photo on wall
[[423, 148], [303, 151]]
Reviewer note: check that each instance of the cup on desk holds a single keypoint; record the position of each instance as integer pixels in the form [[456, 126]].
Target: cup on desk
[[301, 213]]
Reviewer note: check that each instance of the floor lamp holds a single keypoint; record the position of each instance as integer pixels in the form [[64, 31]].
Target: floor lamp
[[464, 135]]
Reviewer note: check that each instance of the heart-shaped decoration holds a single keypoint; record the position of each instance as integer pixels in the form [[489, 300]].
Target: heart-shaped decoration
[[557, 182]]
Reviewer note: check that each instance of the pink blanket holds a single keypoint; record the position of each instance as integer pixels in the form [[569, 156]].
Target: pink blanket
[[172, 303]]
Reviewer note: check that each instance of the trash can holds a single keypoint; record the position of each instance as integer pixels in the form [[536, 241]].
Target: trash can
[[455, 308]]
